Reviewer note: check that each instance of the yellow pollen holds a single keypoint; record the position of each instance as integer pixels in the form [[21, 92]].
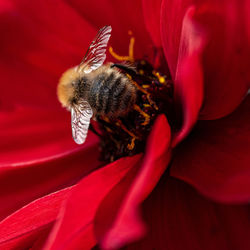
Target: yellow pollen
[[145, 86], [143, 62], [145, 115], [161, 79], [146, 105], [141, 72], [130, 56]]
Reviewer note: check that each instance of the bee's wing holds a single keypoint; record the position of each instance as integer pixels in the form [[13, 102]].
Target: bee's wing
[[80, 119], [96, 53]]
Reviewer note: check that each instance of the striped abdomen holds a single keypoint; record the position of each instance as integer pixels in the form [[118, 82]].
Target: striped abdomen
[[111, 94]]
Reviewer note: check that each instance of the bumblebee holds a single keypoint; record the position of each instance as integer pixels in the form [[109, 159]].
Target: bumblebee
[[93, 88]]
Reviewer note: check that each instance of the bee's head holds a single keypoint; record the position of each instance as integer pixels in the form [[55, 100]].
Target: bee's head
[[66, 87]]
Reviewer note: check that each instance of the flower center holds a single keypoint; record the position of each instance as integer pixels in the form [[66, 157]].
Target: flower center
[[127, 135]]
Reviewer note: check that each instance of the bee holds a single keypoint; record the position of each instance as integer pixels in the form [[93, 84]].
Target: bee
[[93, 88]]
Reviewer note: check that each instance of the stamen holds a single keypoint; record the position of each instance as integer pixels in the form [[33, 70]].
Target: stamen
[[145, 115], [130, 56], [147, 95], [131, 48], [120, 124], [132, 144], [160, 78], [118, 57]]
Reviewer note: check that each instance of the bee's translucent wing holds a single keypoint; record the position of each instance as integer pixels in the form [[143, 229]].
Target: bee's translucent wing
[[80, 119], [96, 53]]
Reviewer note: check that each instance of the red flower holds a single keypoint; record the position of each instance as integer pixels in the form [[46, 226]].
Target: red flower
[[58, 195]]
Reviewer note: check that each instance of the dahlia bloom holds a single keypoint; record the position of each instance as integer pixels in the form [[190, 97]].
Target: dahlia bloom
[[58, 195]]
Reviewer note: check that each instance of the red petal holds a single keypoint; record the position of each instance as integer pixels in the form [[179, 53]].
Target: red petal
[[51, 38], [76, 218], [38, 156], [180, 218], [189, 76], [118, 220], [152, 11], [172, 14], [123, 18], [215, 157], [225, 57], [32, 222], [45, 135], [247, 28]]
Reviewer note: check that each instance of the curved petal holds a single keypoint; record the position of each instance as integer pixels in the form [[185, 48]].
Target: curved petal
[[179, 218], [123, 17], [118, 219], [189, 76], [171, 21], [225, 57], [38, 156], [32, 223], [76, 217], [215, 157], [44, 135], [51, 38]]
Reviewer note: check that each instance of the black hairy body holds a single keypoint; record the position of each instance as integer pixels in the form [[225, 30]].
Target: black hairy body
[[109, 92]]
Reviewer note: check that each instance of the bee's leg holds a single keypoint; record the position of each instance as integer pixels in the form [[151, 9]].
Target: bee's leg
[[91, 127]]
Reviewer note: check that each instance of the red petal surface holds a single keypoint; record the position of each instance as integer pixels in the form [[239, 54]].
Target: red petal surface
[[180, 218], [225, 58], [76, 218], [30, 136], [118, 220], [46, 46], [247, 28], [29, 225], [38, 156], [152, 13], [51, 35], [215, 157], [189, 75], [123, 17]]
